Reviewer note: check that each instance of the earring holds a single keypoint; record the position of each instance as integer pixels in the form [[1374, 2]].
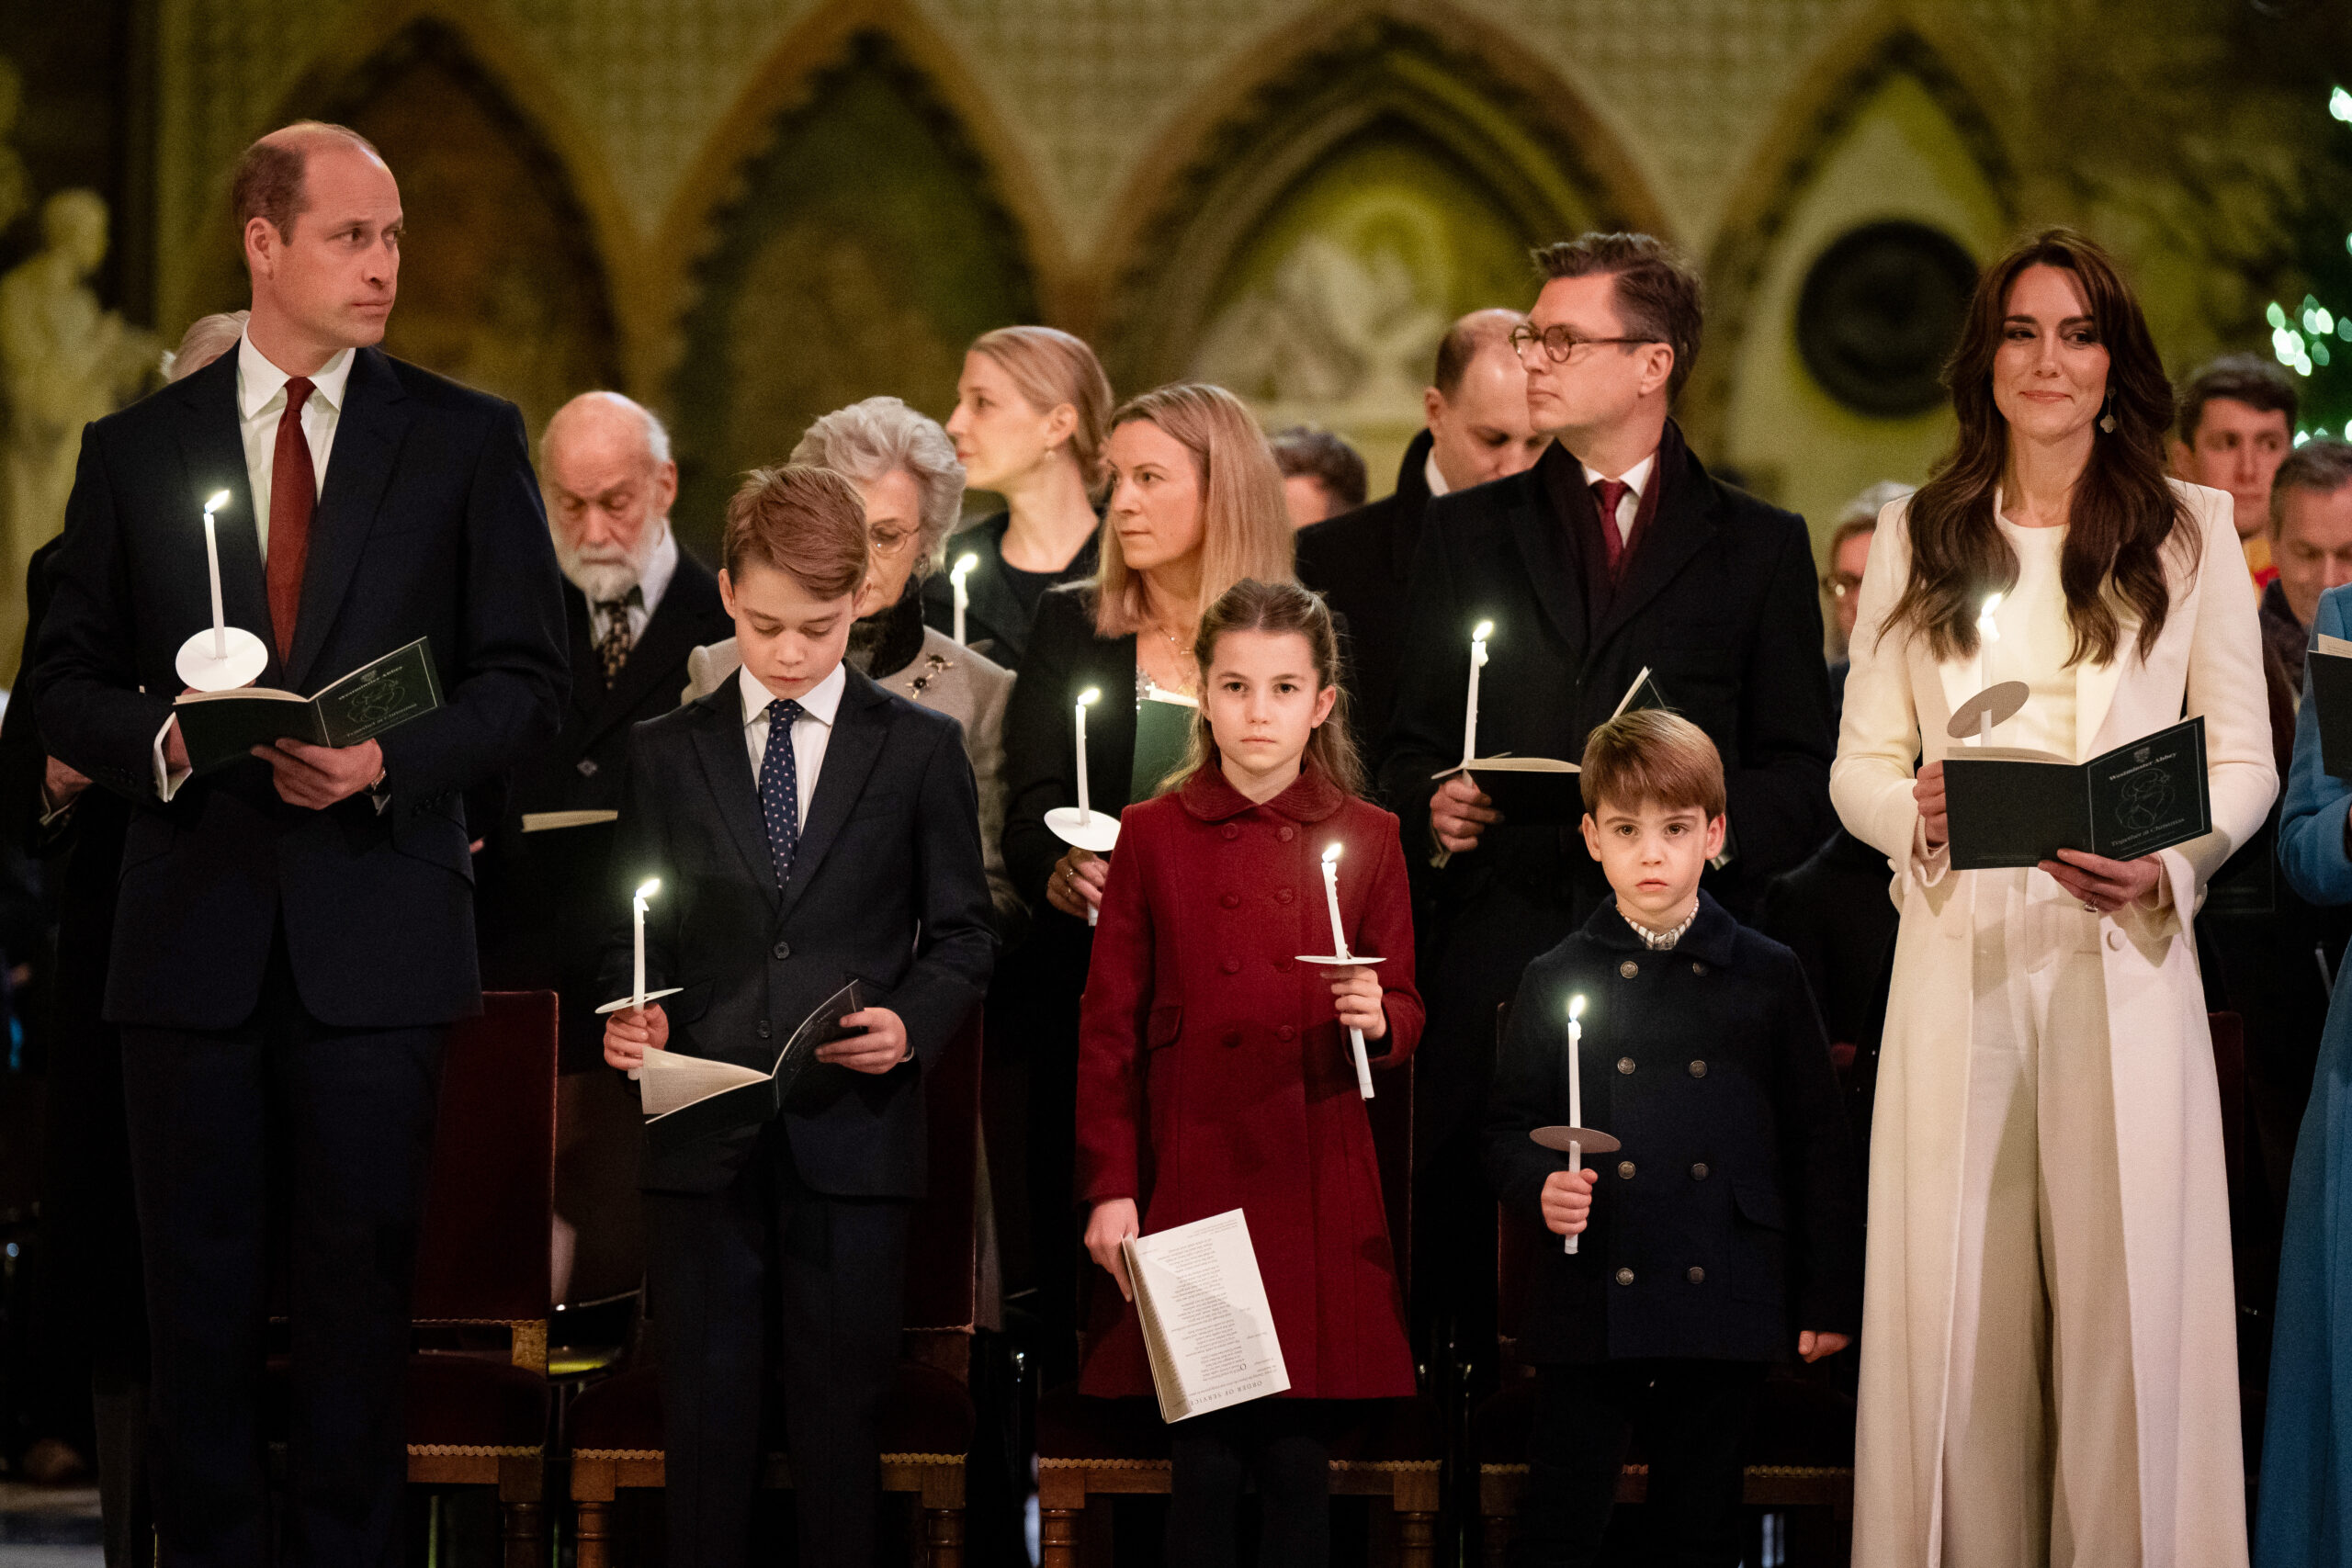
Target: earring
[[2107, 419]]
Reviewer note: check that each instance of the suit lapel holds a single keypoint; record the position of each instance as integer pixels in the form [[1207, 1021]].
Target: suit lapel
[[367, 435], [2095, 691], [1685, 524], [677, 624], [727, 767], [213, 450], [859, 729], [1547, 551]]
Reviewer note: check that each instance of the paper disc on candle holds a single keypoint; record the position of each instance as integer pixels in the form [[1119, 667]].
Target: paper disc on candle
[[1994, 704], [1333, 961], [631, 1001], [1585, 1138], [1095, 832], [246, 660]]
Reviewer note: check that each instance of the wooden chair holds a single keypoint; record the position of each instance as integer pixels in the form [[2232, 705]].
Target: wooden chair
[[1110, 1447], [927, 1420]]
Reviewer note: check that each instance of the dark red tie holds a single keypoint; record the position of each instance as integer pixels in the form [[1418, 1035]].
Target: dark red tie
[[1608, 492], [293, 492]]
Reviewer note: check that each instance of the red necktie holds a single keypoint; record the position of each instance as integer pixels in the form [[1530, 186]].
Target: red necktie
[[293, 493], [1608, 492]]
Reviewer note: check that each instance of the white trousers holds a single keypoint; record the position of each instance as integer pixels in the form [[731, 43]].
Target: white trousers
[[2040, 1457]]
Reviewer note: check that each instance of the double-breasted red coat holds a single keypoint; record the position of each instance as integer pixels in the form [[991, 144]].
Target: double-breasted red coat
[[1213, 1073]]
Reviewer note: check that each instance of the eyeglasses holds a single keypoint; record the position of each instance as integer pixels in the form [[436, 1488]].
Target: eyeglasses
[[1561, 344], [1837, 584], [889, 541]]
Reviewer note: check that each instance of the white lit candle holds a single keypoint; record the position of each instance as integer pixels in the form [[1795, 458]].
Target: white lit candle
[[218, 499], [1576, 1089], [1339, 952], [1470, 715], [1085, 699], [646, 889], [963, 566], [1988, 631]]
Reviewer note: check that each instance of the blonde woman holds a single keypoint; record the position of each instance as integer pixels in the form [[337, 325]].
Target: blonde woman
[[1032, 409]]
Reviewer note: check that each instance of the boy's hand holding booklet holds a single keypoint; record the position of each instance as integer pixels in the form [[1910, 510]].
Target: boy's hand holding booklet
[[220, 727]]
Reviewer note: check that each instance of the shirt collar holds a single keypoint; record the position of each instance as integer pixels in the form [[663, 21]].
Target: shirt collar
[[1633, 478], [258, 380], [660, 567], [1712, 936], [821, 702], [1432, 477]]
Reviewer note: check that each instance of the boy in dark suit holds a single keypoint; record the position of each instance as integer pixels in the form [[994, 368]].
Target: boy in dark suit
[[1727, 1229], [807, 829]]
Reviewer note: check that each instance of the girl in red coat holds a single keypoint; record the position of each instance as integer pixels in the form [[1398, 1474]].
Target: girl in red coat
[[1215, 1071]]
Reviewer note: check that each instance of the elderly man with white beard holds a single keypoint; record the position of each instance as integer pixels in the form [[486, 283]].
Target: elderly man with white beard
[[635, 605]]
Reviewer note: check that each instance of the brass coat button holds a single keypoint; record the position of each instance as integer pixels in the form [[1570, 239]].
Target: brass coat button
[[1625, 1063], [1698, 1069], [1699, 1171], [1697, 1276], [1697, 968], [1625, 1170], [1624, 1276], [1629, 969]]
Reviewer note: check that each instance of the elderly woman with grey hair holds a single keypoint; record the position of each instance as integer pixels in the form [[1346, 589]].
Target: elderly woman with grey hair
[[905, 467]]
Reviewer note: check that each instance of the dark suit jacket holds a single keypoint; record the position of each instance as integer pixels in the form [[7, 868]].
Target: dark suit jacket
[[546, 897], [1361, 562], [1731, 1219], [430, 526], [887, 887], [994, 621]]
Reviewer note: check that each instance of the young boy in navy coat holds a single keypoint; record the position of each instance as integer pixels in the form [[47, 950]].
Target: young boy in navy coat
[[807, 829], [1726, 1233]]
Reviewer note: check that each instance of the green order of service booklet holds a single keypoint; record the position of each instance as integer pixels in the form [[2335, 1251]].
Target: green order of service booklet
[[220, 727], [2010, 806]]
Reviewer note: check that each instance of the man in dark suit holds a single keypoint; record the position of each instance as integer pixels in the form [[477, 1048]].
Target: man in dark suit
[[806, 828], [635, 603], [296, 931], [1615, 552], [1361, 561]]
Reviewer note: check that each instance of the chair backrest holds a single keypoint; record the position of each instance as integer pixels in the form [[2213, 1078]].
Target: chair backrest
[[490, 1206], [942, 1239]]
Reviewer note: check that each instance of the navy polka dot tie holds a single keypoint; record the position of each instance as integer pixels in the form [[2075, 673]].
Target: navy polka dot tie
[[780, 786]]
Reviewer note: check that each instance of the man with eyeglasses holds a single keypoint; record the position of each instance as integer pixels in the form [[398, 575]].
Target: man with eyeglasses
[[1615, 553]]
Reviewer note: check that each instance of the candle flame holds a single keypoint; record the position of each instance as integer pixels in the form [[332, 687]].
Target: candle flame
[[220, 498], [1330, 854], [1984, 622], [1481, 631], [964, 564], [649, 887], [1576, 1007], [1091, 695]]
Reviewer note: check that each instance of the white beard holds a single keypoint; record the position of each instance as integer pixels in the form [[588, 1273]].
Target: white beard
[[604, 573]]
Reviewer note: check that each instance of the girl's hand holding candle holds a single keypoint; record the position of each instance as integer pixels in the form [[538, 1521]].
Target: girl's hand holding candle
[[1358, 996]]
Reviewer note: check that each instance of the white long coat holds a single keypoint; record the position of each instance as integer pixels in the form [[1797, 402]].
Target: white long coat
[[2168, 1132]]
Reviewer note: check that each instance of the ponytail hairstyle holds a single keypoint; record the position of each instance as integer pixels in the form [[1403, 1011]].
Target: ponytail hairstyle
[[2123, 518], [1276, 608]]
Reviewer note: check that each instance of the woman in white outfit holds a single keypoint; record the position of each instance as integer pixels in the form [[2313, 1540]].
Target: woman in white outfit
[[2049, 1366]]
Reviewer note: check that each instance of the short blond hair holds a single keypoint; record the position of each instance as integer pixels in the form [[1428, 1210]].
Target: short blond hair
[[805, 521], [1244, 523], [1651, 757]]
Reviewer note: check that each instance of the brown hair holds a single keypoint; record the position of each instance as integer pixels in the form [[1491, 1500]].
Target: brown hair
[[1050, 367], [1651, 757], [805, 521], [268, 180], [1276, 608], [2316, 467], [1468, 338], [1658, 294], [1245, 525], [1326, 458], [2123, 513], [2241, 378]]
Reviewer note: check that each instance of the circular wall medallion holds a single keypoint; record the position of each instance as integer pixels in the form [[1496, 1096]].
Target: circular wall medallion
[[1880, 311]]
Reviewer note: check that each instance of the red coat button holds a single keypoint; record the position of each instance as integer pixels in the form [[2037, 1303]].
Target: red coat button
[[1284, 964], [1230, 901], [1283, 895], [1285, 1032], [1231, 965], [1287, 834], [1232, 1038], [1231, 832]]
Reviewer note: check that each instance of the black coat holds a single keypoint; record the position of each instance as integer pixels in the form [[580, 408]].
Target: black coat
[[430, 526], [1065, 657], [887, 887], [1719, 601], [1731, 1218], [1361, 562], [994, 621], [548, 898]]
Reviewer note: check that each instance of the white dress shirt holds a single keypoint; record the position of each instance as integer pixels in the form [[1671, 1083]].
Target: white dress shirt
[[1434, 478], [811, 731], [660, 568], [1629, 505], [261, 400]]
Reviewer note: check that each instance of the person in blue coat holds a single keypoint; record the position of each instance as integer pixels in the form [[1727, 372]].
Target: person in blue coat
[[2307, 1438]]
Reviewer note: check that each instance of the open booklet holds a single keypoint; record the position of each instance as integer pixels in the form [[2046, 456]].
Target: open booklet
[[2009, 807], [219, 727], [1543, 792], [687, 1099], [2330, 664], [1206, 1326]]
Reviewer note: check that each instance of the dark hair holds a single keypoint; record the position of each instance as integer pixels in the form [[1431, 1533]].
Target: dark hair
[[805, 521], [2123, 513], [268, 180], [1250, 606], [1658, 293], [1652, 757], [1468, 338], [1331, 462], [2241, 378], [2319, 467]]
